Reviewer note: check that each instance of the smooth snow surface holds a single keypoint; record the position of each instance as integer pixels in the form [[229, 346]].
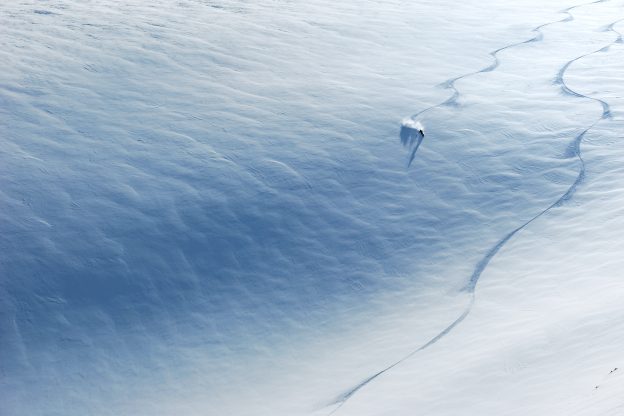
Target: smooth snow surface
[[226, 208]]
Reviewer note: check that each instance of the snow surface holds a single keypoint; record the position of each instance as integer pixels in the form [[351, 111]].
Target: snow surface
[[218, 208]]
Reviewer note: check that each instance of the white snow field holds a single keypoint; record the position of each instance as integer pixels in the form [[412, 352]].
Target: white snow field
[[225, 208]]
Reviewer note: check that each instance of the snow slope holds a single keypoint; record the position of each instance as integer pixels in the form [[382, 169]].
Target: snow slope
[[208, 208]]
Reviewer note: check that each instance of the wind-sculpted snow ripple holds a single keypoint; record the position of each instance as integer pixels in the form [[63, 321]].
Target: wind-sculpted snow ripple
[[202, 210]]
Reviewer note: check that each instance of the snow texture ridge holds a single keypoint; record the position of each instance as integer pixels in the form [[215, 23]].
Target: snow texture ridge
[[206, 207]]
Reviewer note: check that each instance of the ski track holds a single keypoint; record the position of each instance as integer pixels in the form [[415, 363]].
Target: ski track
[[574, 151], [450, 83]]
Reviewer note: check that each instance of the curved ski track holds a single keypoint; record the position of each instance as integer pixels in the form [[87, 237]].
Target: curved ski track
[[574, 151], [450, 83]]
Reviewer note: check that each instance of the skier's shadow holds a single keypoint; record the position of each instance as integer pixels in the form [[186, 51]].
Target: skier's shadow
[[411, 138]]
